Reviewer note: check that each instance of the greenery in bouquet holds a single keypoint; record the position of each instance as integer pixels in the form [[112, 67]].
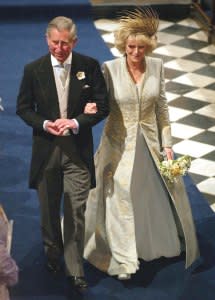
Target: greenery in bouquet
[[172, 169]]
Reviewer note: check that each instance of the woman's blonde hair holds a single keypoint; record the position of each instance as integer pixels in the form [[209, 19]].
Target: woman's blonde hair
[[142, 23]]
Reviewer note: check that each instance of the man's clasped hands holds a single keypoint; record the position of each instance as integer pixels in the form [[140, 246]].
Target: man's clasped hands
[[60, 126]]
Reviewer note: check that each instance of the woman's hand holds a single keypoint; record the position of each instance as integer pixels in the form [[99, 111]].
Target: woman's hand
[[90, 108], [169, 153]]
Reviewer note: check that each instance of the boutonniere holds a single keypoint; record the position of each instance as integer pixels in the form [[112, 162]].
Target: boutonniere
[[80, 75]]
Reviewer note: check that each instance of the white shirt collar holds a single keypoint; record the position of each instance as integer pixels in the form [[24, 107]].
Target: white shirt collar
[[56, 63]]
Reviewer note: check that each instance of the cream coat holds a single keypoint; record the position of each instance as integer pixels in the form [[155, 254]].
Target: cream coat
[[144, 115]]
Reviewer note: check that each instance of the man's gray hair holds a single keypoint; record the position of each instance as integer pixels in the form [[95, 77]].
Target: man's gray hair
[[62, 23]]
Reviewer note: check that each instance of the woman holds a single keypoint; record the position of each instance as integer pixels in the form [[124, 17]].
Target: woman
[[133, 213], [8, 267]]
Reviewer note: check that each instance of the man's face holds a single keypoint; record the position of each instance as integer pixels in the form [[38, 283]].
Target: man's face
[[59, 44]]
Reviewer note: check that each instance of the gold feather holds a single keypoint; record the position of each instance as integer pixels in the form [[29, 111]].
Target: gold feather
[[140, 21]]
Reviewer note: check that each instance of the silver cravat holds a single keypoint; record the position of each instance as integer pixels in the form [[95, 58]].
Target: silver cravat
[[63, 75]]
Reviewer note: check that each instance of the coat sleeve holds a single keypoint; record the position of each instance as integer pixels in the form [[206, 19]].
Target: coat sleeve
[[99, 96], [162, 113], [26, 105]]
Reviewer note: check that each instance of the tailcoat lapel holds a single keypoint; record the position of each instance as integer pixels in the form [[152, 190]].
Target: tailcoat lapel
[[75, 86], [45, 76]]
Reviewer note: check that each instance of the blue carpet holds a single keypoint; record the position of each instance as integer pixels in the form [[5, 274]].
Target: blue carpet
[[40, 9], [162, 279]]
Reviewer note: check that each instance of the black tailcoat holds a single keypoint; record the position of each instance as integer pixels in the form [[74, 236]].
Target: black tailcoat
[[38, 101]]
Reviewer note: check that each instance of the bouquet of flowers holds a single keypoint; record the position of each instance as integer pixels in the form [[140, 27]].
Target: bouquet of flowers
[[172, 169]]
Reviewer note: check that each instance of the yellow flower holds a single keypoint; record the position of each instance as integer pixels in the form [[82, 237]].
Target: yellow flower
[[176, 170]]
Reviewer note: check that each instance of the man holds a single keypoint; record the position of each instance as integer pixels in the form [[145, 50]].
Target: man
[[62, 155]]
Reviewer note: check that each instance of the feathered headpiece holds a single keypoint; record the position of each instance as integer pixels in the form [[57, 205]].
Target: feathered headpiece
[[140, 21]]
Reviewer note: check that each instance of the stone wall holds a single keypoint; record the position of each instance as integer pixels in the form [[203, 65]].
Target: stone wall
[[138, 2]]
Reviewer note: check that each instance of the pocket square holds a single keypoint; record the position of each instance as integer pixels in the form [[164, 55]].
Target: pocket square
[[86, 86]]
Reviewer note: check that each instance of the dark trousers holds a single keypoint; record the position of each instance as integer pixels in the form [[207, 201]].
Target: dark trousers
[[65, 177]]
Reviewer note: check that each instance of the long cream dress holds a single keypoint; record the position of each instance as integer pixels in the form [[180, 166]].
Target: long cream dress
[[132, 213]]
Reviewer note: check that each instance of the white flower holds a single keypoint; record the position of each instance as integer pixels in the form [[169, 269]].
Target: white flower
[[172, 169], [80, 75]]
